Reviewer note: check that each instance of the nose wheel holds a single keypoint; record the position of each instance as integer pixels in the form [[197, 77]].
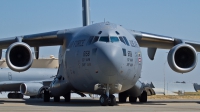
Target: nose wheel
[[105, 100]]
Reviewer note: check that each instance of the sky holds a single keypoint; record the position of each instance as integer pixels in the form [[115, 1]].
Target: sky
[[175, 18]]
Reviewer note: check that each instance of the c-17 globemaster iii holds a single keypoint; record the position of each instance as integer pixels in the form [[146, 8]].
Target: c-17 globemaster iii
[[102, 58]]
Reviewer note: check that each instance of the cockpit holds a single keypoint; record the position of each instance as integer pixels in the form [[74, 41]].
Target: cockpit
[[112, 39]]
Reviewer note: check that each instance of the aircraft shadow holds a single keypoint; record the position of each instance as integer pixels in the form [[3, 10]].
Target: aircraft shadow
[[182, 101], [95, 102], [72, 103], [10, 101], [88, 102]]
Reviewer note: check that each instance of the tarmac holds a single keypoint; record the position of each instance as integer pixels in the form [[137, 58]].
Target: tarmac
[[92, 105]]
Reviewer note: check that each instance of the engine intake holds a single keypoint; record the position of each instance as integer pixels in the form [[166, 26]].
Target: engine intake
[[182, 58], [19, 56]]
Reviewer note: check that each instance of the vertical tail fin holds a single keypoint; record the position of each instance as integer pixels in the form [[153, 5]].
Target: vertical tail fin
[[86, 12]]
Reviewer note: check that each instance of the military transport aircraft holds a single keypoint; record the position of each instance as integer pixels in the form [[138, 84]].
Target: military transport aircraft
[[102, 58], [29, 83]]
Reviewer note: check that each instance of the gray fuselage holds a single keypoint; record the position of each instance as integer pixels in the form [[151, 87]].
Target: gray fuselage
[[84, 63]]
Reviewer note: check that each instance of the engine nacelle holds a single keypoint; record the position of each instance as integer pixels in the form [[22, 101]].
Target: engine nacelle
[[182, 58], [19, 56], [30, 89]]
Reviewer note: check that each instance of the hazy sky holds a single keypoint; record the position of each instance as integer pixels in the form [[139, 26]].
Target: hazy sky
[[176, 18]]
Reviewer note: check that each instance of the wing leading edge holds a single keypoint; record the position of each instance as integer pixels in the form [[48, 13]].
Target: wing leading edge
[[41, 39], [158, 41]]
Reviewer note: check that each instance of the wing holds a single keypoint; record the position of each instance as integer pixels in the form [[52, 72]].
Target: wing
[[159, 41], [154, 41], [41, 39], [19, 55]]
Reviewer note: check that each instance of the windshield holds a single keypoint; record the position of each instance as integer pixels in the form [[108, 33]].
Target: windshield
[[104, 39], [114, 39]]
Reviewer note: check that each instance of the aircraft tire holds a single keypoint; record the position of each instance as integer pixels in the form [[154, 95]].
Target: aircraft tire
[[112, 100], [19, 95], [122, 97], [103, 100], [9, 95], [14, 95], [46, 96], [67, 97], [143, 97], [57, 99], [31, 97], [132, 99]]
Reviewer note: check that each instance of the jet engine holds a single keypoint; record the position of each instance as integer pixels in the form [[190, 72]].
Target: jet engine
[[19, 56], [30, 89], [182, 58]]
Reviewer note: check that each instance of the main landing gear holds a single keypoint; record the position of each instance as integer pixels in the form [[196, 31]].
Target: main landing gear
[[46, 97], [123, 96], [143, 97], [56, 98], [107, 99], [15, 95], [67, 97]]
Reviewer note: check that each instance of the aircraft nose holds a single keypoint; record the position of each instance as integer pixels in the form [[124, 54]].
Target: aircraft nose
[[108, 59]]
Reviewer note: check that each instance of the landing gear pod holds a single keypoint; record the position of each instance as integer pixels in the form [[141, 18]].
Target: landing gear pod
[[19, 57]]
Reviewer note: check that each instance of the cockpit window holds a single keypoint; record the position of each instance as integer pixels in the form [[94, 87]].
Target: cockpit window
[[90, 40], [96, 38], [114, 39], [122, 40], [126, 41], [104, 39]]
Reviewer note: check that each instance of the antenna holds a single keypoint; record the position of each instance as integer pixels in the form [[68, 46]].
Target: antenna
[[86, 12]]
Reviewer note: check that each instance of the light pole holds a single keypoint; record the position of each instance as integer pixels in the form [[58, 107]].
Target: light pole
[[164, 75]]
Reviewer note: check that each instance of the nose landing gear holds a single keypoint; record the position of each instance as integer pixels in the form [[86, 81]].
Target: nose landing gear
[[107, 99]]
